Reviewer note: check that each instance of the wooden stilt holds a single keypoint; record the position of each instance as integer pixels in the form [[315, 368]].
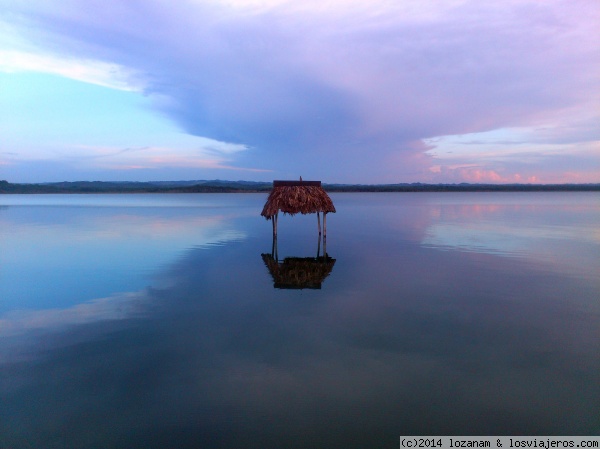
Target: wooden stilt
[[319, 246], [273, 247], [319, 222], [324, 234]]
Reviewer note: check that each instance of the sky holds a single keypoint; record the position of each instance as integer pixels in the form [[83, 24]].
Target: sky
[[343, 91]]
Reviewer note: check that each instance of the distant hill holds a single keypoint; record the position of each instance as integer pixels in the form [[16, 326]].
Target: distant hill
[[216, 186], [463, 187], [220, 186]]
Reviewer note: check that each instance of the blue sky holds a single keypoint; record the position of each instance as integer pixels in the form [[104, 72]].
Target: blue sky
[[342, 91]]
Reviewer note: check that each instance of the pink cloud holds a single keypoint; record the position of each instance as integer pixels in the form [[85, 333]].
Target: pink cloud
[[479, 174]]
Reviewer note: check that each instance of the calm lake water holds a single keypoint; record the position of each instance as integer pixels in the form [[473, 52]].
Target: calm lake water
[[154, 321]]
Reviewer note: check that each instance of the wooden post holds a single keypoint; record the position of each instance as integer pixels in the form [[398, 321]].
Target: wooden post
[[319, 246], [319, 222], [325, 234]]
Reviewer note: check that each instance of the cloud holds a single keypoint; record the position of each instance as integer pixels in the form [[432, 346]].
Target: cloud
[[548, 155], [89, 71], [95, 162], [344, 86], [215, 156]]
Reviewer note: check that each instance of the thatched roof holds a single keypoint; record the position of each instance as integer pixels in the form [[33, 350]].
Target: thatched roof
[[299, 272], [292, 197]]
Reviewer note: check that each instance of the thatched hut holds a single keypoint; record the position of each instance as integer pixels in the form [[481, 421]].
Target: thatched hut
[[292, 197]]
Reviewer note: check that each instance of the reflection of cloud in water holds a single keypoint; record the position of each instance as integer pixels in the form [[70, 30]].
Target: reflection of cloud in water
[[537, 233], [488, 237], [117, 307], [184, 230], [484, 238], [402, 340], [77, 254], [222, 356]]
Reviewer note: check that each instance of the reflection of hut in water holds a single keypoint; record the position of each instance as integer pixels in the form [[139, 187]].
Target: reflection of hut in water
[[299, 272], [292, 197]]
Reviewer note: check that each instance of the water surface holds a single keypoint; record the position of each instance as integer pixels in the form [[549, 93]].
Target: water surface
[[154, 321]]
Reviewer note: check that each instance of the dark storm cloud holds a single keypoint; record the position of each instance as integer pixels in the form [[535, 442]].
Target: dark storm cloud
[[309, 85]]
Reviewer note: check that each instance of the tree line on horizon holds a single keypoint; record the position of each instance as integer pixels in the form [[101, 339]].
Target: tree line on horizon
[[218, 186]]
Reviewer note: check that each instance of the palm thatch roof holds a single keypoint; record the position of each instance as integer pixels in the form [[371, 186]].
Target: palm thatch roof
[[292, 197], [299, 272]]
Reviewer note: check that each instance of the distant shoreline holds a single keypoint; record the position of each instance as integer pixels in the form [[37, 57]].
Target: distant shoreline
[[218, 186]]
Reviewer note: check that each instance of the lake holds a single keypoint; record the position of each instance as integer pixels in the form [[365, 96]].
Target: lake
[[172, 321]]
